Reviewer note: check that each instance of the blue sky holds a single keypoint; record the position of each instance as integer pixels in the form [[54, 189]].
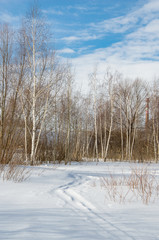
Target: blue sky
[[121, 34]]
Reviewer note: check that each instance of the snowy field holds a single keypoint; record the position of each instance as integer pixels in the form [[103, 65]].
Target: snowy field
[[82, 201]]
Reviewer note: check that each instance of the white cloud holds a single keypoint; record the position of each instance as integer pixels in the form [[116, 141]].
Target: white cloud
[[71, 38], [84, 65], [66, 50], [82, 36], [115, 25], [8, 18], [52, 11], [151, 6], [83, 49], [121, 24], [80, 8], [134, 19], [135, 55], [149, 31], [153, 27]]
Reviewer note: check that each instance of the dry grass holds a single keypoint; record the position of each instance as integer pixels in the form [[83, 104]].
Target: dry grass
[[14, 172], [139, 185]]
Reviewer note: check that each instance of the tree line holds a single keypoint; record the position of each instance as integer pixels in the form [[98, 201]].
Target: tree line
[[44, 118]]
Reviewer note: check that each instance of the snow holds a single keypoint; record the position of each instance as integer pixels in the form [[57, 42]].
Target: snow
[[69, 202]]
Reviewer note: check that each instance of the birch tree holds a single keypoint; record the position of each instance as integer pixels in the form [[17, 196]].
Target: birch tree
[[93, 81], [110, 79], [35, 34]]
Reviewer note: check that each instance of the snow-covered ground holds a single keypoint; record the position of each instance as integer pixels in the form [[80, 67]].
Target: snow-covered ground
[[70, 202]]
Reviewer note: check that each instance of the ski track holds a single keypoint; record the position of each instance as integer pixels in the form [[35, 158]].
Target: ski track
[[80, 216], [88, 210]]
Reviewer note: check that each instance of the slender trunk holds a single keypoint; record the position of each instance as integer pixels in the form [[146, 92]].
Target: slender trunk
[[154, 139], [95, 119], [96, 133], [133, 139], [105, 130], [67, 144], [127, 132], [101, 138], [157, 141], [121, 133], [110, 128], [34, 101], [26, 146]]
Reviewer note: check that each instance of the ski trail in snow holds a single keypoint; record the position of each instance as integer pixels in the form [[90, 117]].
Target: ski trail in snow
[[86, 204], [75, 199], [76, 205], [88, 210]]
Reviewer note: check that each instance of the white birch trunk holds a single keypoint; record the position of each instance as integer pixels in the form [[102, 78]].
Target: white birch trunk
[[33, 96]]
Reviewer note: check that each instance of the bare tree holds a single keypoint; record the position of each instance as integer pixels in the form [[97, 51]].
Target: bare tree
[[93, 81], [36, 38], [110, 81], [12, 71], [131, 107]]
